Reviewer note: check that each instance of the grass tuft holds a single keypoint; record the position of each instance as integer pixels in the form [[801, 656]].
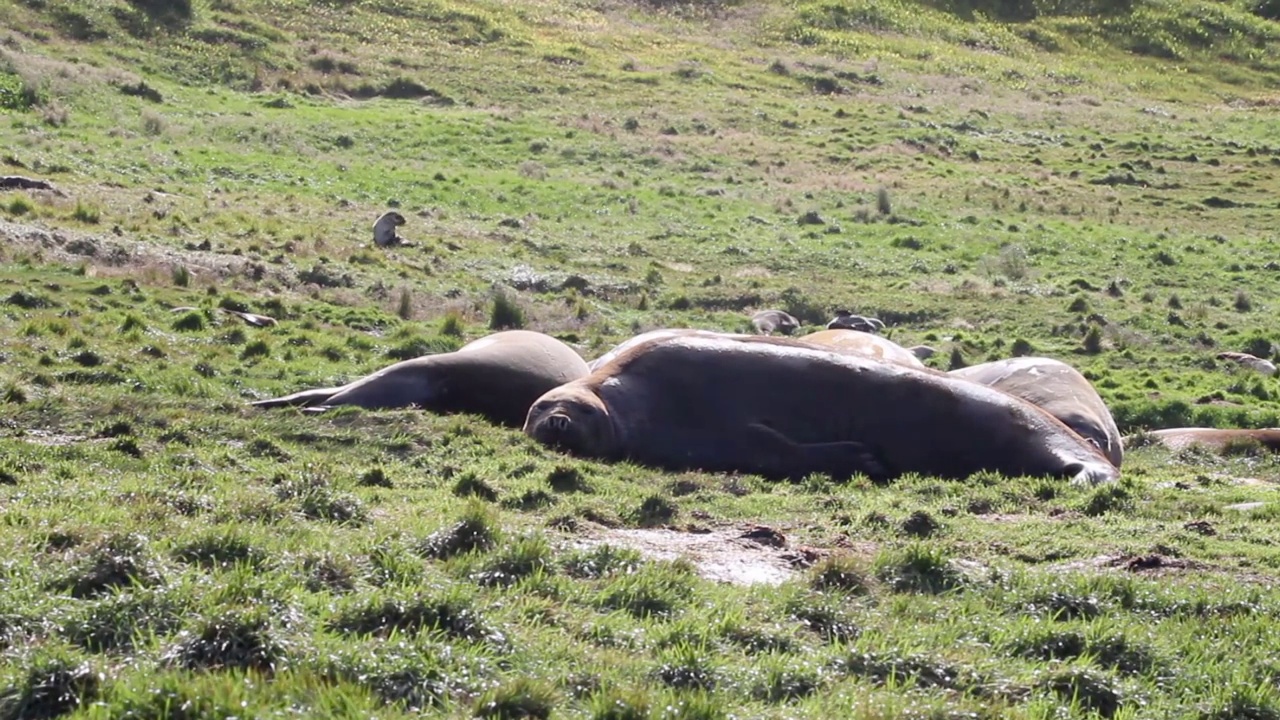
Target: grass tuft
[[654, 510], [842, 572], [476, 529], [523, 557], [116, 561], [191, 321], [918, 567], [1090, 690], [232, 640], [451, 612], [687, 667], [50, 686], [505, 314], [823, 614], [620, 704], [602, 561], [523, 697], [657, 589]]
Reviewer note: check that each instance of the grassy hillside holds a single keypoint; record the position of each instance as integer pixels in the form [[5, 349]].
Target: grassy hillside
[[1095, 182]]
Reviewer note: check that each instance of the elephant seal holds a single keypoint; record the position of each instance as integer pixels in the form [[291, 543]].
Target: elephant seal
[[845, 320], [252, 318], [864, 343], [781, 409], [766, 322], [1060, 390], [497, 376], [652, 335], [1215, 439], [384, 231], [1257, 364]]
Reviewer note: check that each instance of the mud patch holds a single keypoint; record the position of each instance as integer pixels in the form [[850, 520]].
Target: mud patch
[[1151, 564], [739, 555], [108, 253]]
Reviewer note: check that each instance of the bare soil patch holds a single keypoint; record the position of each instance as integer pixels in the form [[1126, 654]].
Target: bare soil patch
[[107, 253], [738, 554]]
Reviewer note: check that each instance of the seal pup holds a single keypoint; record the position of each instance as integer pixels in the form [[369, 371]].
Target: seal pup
[[845, 320], [384, 231], [781, 409], [1214, 439], [767, 321], [863, 343], [497, 376], [1257, 364], [1060, 390]]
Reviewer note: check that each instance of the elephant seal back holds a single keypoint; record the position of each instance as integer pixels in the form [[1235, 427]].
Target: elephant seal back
[[1060, 390], [652, 335], [864, 343], [1216, 439], [497, 376], [781, 409]]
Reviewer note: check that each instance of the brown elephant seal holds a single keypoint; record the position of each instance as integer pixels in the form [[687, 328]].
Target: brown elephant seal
[[252, 318], [1060, 390], [497, 376], [767, 322], [845, 320], [653, 335], [1214, 439], [864, 343], [384, 231], [1253, 362], [781, 409]]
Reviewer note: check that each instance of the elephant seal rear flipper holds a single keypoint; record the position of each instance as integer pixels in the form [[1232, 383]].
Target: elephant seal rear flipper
[[840, 460], [305, 398]]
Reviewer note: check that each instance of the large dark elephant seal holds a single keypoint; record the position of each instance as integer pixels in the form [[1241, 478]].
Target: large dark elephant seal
[[864, 343], [1215, 439], [498, 376], [1058, 388], [781, 409], [767, 322]]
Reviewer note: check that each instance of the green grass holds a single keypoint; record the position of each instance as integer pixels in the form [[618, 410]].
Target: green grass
[[1087, 182]]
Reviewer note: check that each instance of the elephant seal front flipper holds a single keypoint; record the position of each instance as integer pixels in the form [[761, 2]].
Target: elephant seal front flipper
[[840, 460]]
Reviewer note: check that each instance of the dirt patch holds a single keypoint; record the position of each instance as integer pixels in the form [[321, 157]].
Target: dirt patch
[[107, 252], [1150, 564], [739, 554], [48, 439]]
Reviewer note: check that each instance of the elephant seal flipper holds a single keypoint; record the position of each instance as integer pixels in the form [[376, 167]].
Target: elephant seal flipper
[[306, 398], [837, 459]]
